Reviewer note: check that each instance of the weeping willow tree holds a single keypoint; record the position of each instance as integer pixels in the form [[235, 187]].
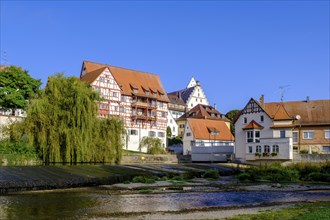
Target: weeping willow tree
[[153, 145], [63, 125]]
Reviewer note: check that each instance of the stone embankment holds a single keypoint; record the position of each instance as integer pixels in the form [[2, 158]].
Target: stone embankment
[[56, 177]]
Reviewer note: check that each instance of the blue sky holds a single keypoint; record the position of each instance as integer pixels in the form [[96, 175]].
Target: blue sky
[[236, 49]]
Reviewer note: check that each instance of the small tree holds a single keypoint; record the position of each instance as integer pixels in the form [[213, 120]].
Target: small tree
[[153, 145], [231, 115], [16, 88]]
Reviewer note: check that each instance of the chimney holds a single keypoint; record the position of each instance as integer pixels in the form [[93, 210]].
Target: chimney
[[307, 99], [215, 106], [262, 101]]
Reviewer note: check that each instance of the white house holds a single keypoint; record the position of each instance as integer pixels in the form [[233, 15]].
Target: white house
[[273, 131], [207, 134], [192, 95]]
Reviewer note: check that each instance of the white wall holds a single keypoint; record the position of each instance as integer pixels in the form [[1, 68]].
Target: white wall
[[172, 124], [186, 140], [197, 97], [240, 134]]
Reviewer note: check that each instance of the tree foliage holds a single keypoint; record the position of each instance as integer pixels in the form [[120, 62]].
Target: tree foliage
[[63, 126], [231, 115], [153, 145], [16, 87]]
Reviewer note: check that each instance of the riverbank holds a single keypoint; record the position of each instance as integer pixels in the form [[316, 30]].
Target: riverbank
[[25, 178]]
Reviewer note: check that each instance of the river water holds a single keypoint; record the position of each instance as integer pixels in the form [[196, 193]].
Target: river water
[[94, 202]]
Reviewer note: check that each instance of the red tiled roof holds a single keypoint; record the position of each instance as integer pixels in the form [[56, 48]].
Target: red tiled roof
[[201, 129], [310, 112], [126, 78], [205, 112], [253, 125]]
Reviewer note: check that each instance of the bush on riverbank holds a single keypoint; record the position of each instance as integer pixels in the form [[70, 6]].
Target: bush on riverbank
[[295, 172], [14, 153]]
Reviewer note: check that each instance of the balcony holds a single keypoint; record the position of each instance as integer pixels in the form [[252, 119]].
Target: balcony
[[139, 104], [143, 116]]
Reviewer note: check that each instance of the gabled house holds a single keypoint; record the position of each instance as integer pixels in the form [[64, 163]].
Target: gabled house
[[274, 131], [207, 140], [201, 112], [138, 98], [192, 95], [176, 108]]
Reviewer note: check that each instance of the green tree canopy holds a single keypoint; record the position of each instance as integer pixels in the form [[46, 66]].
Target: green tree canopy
[[63, 124], [16, 87], [231, 115], [153, 145]]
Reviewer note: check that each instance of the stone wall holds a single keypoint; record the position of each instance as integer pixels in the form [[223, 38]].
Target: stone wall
[[144, 158], [311, 158]]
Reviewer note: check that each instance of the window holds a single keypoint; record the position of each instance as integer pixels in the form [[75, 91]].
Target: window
[[188, 134], [181, 126], [123, 98], [327, 134], [160, 104], [134, 132], [152, 134], [196, 100], [275, 149], [250, 149], [261, 118], [266, 149], [122, 109], [173, 129], [245, 120], [258, 149], [161, 134], [295, 137], [308, 134], [257, 136], [191, 105], [282, 134], [115, 94], [326, 148], [249, 136], [171, 121]]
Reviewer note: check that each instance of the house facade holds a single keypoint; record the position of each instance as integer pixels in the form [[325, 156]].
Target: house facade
[[274, 131], [138, 98], [207, 138], [201, 112], [176, 108]]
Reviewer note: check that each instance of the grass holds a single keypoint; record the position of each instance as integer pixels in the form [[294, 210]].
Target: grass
[[291, 173], [307, 211]]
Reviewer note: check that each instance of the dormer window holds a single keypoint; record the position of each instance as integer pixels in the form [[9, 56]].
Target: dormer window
[[134, 88], [261, 118]]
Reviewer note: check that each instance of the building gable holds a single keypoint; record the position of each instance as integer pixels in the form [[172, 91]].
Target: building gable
[[192, 83]]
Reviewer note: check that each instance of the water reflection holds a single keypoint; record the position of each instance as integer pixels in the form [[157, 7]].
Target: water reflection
[[78, 204]]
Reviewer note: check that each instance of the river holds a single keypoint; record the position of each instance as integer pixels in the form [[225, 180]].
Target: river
[[93, 202]]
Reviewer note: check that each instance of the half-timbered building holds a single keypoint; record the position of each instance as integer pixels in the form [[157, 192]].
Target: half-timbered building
[[138, 98]]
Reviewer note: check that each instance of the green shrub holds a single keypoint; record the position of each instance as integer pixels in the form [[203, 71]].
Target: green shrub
[[156, 150], [164, 178], [211, 174], [244, 176], [145, 179], [324, 177], [178, 178]]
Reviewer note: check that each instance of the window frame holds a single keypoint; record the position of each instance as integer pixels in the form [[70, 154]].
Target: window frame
[[309, 137]]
